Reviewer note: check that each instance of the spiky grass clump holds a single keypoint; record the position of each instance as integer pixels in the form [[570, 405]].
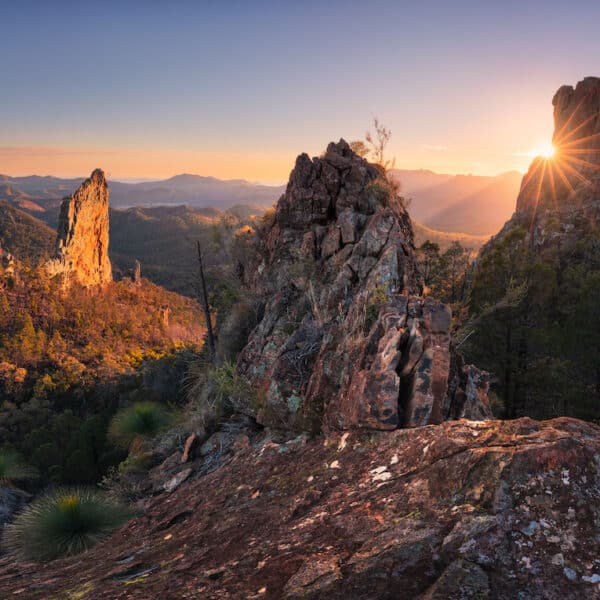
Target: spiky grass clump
[[63, 523], [13, 468], [143, 419]]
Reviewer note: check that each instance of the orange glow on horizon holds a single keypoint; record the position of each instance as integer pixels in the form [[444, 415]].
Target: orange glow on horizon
[[253, 165]]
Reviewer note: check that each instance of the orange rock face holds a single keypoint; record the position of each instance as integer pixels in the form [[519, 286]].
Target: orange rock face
[[82, 240]]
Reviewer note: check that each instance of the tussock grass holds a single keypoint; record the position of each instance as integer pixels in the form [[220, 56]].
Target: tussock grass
[[62, 523], [143, 419]]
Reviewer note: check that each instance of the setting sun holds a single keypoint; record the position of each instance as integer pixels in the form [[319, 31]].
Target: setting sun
[[546, 151]]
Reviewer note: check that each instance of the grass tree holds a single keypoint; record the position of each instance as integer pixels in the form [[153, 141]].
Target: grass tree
[[62, 523], [141, 420]]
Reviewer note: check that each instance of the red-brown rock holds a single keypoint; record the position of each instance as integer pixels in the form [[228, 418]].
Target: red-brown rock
[[493, 509], [346, 340]]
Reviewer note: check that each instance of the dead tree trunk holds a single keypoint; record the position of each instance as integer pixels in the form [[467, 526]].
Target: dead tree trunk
[[205, 307]]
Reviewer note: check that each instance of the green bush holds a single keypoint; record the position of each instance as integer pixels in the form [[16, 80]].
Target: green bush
[[63, 523], [13, 468], [377, 299], [140, 420], [216, 392]]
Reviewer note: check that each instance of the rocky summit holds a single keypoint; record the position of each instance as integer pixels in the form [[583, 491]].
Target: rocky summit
[[461, 510], [82, 241], [347, 339], [567, 180]]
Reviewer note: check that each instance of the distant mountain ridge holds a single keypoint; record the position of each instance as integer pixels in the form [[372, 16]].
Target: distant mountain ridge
[[470, 204], [195, 190]]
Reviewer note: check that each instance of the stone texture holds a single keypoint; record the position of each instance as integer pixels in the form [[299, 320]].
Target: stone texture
[[346, 340], [461, 510], [82, 239]]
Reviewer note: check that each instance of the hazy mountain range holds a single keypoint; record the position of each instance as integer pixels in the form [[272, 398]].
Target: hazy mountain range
[[468, 204]]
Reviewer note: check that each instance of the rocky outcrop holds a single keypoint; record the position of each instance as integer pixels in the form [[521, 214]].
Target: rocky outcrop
[[347, 340], [82, 240], [461, 510], [565, 181], [560, 196]]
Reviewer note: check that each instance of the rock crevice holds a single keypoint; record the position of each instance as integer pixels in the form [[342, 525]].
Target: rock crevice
[[347, 340]]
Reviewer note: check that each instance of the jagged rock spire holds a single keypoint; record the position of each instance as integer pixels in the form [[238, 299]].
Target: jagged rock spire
[[346, 339], [82, 239], [551, 182]]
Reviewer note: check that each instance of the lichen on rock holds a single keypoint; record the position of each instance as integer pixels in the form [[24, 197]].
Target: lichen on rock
[[345, 328]]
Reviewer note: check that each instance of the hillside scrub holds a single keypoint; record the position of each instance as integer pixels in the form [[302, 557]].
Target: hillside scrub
[[68, 361], [141, 420]]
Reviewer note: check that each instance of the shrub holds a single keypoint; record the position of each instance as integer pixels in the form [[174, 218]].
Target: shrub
[[143, 419], [384, 193], [13, 468], [377, 298], [62, 523], [216, 392]]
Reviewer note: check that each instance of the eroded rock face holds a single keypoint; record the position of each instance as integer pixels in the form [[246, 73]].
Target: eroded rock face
[[495, 509], [82, 240], [557, 184], [346, 340]]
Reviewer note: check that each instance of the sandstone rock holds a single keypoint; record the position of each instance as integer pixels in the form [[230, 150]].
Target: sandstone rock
[[82, 239], [174, 482], [136, 273], [346, 340], [462, 580]]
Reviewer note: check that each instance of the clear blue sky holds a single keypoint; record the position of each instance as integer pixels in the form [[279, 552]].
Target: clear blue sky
[[239, 88]]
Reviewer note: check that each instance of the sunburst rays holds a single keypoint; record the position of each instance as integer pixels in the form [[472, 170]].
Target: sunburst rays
[[574, 161]]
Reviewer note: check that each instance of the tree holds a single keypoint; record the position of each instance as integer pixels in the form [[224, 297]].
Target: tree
[[360, 148], [379, 141], [203, 296], [428, 255]]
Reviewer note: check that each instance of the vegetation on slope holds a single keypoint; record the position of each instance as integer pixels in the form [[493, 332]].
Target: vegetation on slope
[[23, 235], [543, 345], [68, 361], [64, 522]]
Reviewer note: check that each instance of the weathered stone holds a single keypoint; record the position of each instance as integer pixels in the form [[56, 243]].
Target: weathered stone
[[410, 513], [577, 141], [11, 501], [462, 580], [346, 341], [82, 239], [177, 479], [331, 243], [190, 443]]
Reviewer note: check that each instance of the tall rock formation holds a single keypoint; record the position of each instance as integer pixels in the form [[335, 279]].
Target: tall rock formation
[[559, 183], [82, 241], [347, 340], [544, 346]]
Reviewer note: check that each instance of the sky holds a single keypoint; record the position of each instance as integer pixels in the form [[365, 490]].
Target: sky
[[232, 89]]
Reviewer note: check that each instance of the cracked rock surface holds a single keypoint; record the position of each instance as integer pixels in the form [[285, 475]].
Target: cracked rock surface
[[465, 509], [347, 340]]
